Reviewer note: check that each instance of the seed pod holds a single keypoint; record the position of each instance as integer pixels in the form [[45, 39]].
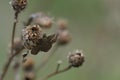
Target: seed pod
[[28, 65], [18, 45], [63, 37], [31, 35], [62, 24], [76, 58], [18, 5], [28, 68], [29, 76], [42, 19]]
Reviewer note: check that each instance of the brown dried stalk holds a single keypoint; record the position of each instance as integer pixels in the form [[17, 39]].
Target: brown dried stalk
[[6, 66], [57, 72], [58, 66], [13, 31]]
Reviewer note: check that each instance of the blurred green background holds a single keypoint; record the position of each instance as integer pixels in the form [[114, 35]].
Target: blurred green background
[[94, 26]]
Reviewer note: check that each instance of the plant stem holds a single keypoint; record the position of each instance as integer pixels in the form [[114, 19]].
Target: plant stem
[[58, 66], [57, 72], [5, 68], [13, 31]]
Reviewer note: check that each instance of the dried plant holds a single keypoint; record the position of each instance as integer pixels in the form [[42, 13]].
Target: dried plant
[[34, 41]]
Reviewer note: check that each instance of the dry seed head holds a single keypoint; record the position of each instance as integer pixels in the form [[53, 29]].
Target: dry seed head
[[43, 20], [28, 64], [18, 5], [76, 58], [29, 76], [62, 24], [18, 45], [31, 35], [63, 37]]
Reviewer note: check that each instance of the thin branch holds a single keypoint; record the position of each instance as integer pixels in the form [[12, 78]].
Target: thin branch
[[13, 31], [5, 68], [8, 63], [46, 59], [58, 65], [57, 72]]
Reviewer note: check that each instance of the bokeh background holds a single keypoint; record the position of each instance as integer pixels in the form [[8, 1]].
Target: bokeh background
[[94, 26]]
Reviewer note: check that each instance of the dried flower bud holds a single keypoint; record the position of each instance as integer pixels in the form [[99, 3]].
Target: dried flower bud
[[31, 35], [18, 45], [43, 20], [29, 76], [18, 5], [62, 24], [44, 44], [76, 59], [63, 37], [28, 65]]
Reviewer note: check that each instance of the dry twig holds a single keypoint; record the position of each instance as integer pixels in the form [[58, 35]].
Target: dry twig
[[57, 72]]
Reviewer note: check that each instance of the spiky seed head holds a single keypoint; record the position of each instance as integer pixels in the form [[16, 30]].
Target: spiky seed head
[[31, 35], [76, 58], [18, 5]]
